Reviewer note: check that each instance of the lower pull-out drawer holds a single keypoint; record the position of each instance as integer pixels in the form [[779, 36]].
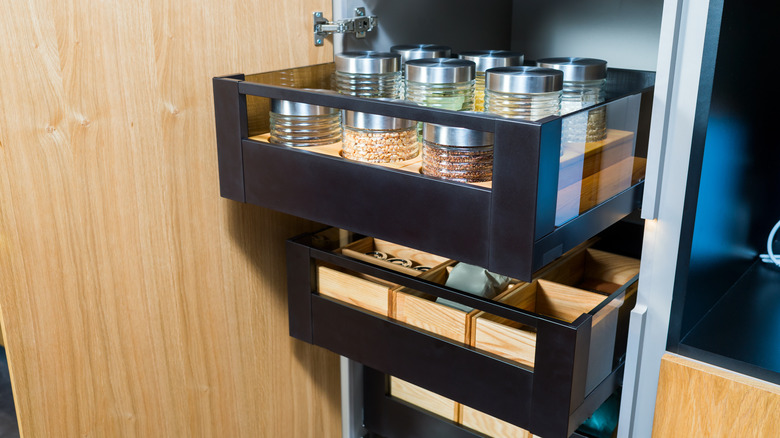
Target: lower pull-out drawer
[[542, 356]]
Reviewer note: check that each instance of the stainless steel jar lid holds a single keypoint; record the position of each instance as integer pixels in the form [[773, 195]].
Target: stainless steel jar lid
[[458, 137], [440, 70], [486, 59], [368, 62], [409, 52], [523, 79], [291, 108], [359, 120], [577, 69]]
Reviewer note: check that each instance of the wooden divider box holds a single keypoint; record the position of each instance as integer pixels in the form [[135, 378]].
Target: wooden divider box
[[516, 342], [422, 398], [594, 270], [422, 311], [364, 291], [576, 284]]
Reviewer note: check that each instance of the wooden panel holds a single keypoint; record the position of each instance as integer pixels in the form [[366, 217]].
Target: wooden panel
[[491, 426], [699, 400], [136, 301], [421, 397]]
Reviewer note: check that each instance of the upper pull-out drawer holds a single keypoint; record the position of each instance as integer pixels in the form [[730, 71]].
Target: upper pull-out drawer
[[548, 193], [542, 355]]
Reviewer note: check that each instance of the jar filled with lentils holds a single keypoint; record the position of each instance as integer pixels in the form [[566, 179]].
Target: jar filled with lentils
[[374, 138], [410, 52], [445, 83], [300, 124], [523, 92], [457, 154], [487, 59], [584, 80], [368, 74]]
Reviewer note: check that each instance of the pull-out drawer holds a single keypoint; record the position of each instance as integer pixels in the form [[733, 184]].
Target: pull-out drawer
[[549, 191], [555, 345]]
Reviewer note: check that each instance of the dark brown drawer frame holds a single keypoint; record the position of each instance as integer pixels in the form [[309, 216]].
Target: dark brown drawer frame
[[509, 229]]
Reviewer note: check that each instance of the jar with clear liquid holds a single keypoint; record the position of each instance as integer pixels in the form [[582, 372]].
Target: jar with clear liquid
[[368, 74], [523, 92], [584, 80], [445, 83], [485, 60], [411, 52], [300, 125]]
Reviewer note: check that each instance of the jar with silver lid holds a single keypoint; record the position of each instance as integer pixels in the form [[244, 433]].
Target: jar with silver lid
[[584, 80], [410, 52], [457, 154], [300, 124], [368, 74], [485, 60], [441, 83], [523, 92], [378, 139]]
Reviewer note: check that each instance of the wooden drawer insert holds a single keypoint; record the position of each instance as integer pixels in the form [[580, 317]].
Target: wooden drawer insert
[[553, 354]]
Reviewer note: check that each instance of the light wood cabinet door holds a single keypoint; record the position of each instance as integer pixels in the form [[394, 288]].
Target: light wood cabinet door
[[135, 301], [698, 400]]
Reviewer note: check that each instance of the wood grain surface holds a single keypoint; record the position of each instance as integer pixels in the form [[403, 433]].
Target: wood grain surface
[[421, 397], [135, 301], [491, 426], [698, 400]]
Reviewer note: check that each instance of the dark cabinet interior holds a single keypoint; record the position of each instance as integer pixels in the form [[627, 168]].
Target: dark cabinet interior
[[726, 307]]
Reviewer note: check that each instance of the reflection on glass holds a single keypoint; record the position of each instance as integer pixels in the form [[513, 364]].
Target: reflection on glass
[[599, 157]]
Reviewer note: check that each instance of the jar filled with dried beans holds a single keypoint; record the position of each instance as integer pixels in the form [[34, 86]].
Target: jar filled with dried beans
[[457, 154], [375, 138]]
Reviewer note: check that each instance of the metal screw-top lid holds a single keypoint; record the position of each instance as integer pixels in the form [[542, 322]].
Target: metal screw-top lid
[[458, 137], [359, 120], [409, 52], [368, 62], [440, 70], [523, 79], [291, 108], [486, 59], [577, 69]]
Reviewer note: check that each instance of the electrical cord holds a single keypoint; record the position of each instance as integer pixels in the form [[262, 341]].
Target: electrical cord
[[770, 256]]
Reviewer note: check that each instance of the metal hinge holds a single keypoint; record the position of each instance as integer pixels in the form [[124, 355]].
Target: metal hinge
[[358, 25]]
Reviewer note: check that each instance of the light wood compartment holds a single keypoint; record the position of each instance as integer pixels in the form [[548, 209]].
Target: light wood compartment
[[559, 291], [365, 291], [422, 311], [489, 425], [424, 399]]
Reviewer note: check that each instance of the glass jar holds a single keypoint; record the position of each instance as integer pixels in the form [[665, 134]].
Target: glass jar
[[441, 83], [529, 93], [584, 80], [457, 154], [487, 59], [368, 74], [300, 125], [378, 139], [409, 52]]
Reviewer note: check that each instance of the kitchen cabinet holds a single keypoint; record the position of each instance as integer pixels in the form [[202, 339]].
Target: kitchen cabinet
[[510, 223]]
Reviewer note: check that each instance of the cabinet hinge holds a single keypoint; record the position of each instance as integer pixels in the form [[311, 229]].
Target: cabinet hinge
[[358, 25]]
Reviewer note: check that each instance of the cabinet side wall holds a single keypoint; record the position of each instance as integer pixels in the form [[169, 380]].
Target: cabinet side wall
[[135, 301]]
